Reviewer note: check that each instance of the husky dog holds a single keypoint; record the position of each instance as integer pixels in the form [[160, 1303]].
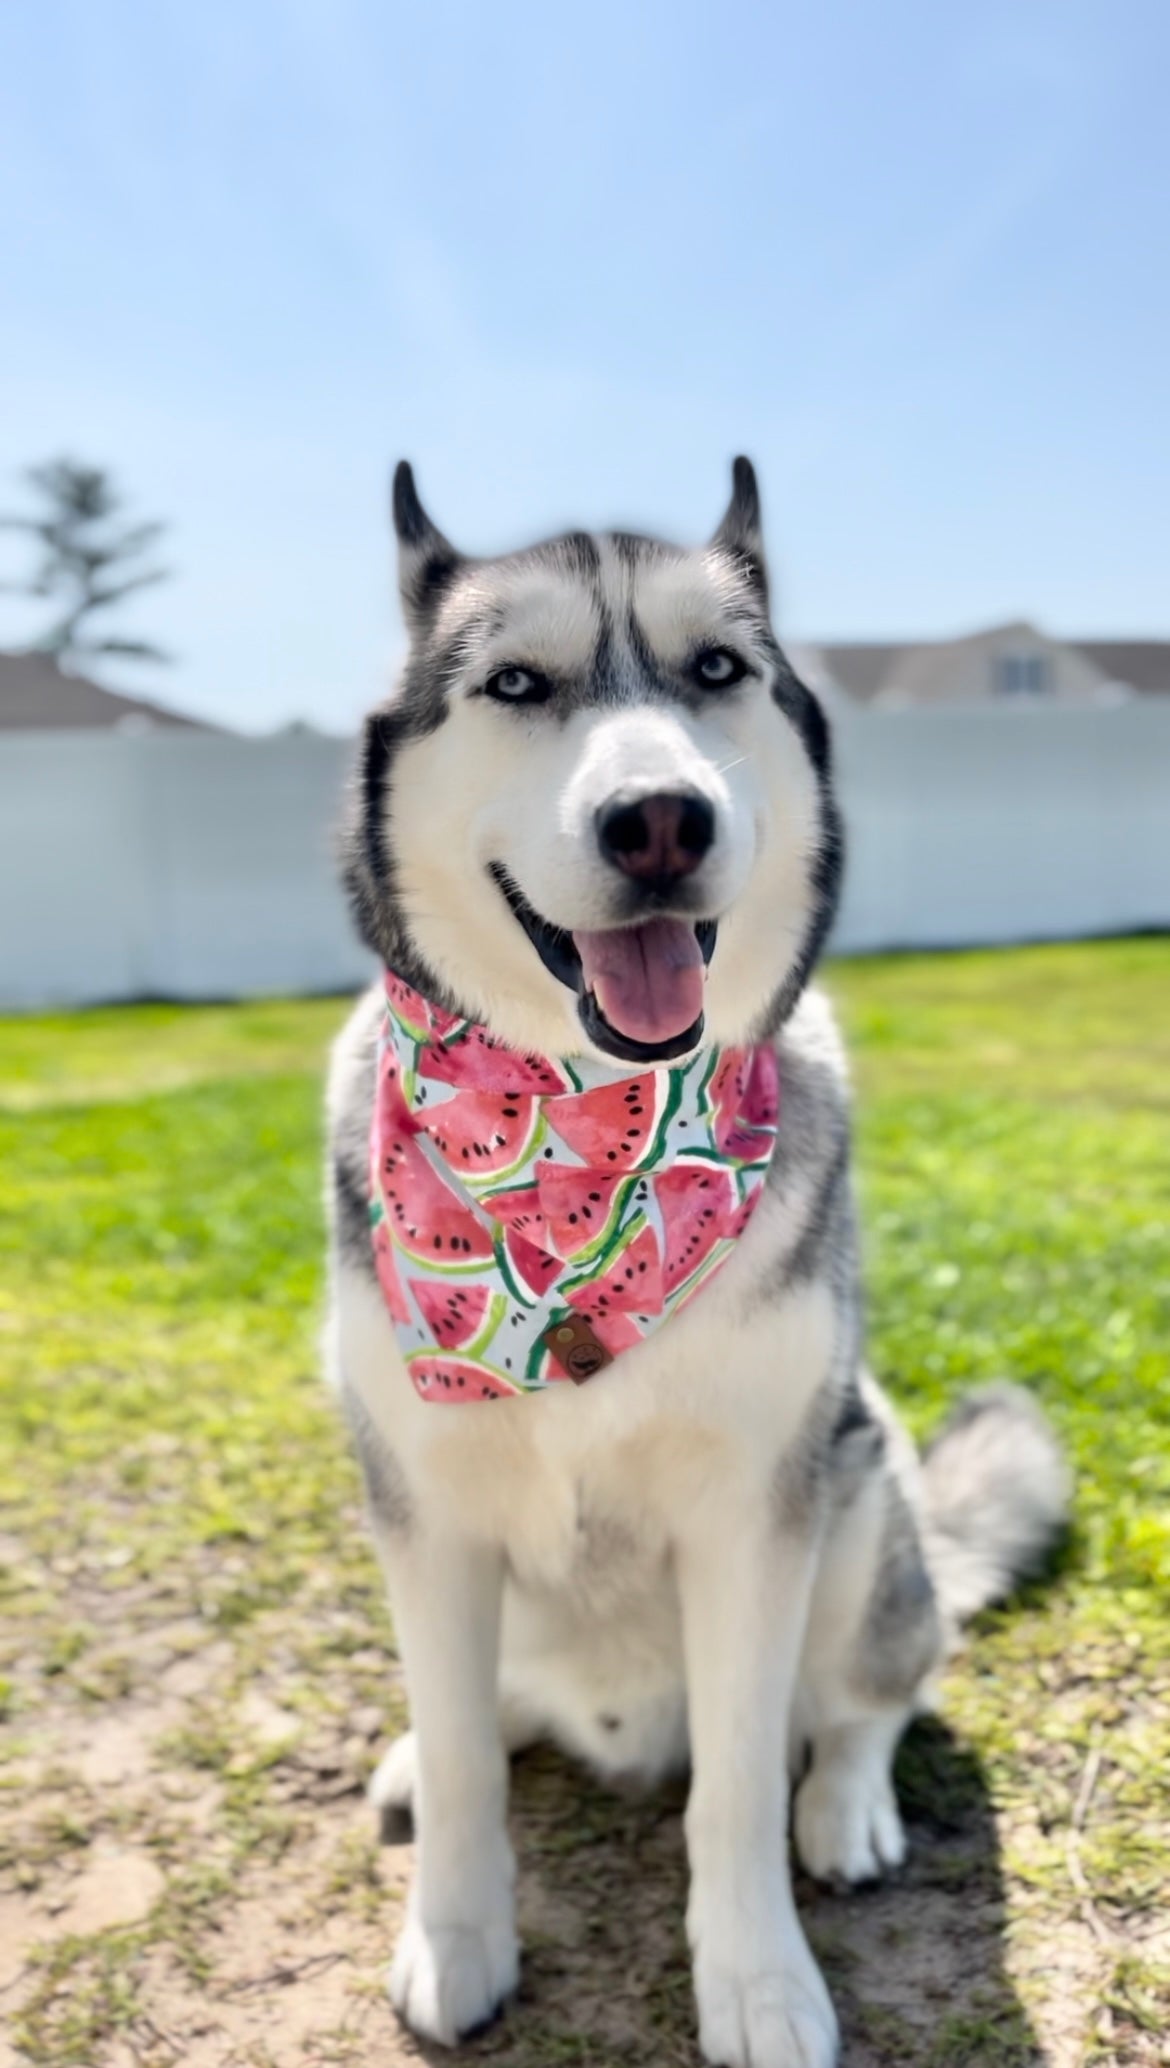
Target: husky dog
[[597, 818]]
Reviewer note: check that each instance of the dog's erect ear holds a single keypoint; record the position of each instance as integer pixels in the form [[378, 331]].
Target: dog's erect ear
[[741, 531], [426, 560]]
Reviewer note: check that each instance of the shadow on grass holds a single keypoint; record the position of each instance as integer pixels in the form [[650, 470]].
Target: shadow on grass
[[915, 1966]]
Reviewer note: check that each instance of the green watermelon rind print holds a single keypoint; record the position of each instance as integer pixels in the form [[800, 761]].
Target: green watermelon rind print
[[468, 1268], [414, 1034], [415, 1038], [625, 1235], [519, 1292], [709, 1065], [687, 1287], [428, 1355], [454, 1035], [670, 1106], [609, 1238], [481, 1184], [696, 1154], [497, 1310]]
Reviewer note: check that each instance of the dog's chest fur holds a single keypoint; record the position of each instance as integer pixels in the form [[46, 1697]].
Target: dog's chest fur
[[582, 1487]]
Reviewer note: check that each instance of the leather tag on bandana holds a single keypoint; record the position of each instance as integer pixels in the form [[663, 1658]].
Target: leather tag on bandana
[[576, 1348]]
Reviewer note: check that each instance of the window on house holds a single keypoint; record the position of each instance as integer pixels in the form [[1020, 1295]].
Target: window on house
[[1021, 674]]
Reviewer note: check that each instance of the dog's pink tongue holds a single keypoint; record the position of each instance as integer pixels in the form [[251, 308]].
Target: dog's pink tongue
[[648, 980]]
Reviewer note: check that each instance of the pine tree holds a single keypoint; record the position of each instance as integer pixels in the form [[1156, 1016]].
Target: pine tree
[[87, 558]]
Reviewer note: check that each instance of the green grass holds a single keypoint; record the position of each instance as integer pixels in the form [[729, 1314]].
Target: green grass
[[164, 1436], [1015, 1146]]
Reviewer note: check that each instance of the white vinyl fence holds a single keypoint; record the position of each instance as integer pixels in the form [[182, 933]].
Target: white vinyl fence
[[171, 864], [187, 865], [992, 825]]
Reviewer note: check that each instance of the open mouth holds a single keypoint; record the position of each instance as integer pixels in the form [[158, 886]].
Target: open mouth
[[639, 988]]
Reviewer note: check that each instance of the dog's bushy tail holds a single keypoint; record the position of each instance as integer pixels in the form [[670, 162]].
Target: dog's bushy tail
[[997, 1490]]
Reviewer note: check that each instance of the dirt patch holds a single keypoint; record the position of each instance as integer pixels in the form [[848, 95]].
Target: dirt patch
[[117, 1886], [190, 1873], [184, 1947]]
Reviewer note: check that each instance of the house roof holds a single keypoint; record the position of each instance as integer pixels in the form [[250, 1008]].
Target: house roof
[[859, 670], [864, 669], [35, 693], [1143, 663]]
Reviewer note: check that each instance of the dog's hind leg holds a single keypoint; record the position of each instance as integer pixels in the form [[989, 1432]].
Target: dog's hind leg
[[910, 1550], [847, 1825], [874, 1636]]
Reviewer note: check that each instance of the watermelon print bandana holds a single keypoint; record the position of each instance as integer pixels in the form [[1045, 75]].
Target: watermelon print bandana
[[533, 1218]]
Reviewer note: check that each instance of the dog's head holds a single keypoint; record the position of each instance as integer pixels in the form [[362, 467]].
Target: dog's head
[[596, 813]]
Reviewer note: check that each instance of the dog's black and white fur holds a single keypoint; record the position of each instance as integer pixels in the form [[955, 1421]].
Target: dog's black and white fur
[[723, 1550]]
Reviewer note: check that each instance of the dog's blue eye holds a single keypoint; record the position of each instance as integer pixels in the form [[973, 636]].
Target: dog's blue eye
[[718, 668], [517, 686]]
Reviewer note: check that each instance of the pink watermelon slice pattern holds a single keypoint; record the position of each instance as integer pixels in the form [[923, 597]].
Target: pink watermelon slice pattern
[[518, 1210], [471, 1058], [697, 1215], [419, 1020], [484, 1133], [506, 1191], [387, 1271], [582, 1208], [632, 1284], [459, 1378], [454, 1313], [743, 1095], [425, 1216], [535, 1267], [616, 1126]]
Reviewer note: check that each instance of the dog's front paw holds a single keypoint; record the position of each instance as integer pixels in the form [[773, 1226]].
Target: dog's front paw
[[847, 1825], [449, 1980], [773, 2013]]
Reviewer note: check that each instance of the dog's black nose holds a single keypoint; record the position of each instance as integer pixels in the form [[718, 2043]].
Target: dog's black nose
[[656, 839]]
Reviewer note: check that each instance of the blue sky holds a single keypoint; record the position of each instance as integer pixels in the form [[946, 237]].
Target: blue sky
[[912, 258]]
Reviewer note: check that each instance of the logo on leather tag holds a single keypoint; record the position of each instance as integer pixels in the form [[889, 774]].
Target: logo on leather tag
[[576, 1348]]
